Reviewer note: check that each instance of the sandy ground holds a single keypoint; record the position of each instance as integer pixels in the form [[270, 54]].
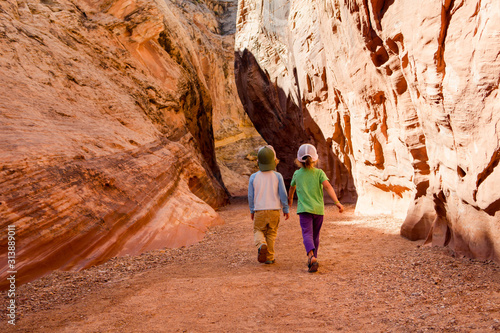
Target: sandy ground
[[369, 280]]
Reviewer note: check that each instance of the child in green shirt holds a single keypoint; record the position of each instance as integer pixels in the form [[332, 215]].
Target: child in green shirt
[[309, 183]]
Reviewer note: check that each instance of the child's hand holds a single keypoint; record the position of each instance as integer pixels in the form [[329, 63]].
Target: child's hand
[[251, 216], [286, 215], [340, 207]]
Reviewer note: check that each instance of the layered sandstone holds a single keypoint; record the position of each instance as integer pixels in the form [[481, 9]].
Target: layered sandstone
[[106, 127], [404, 93], [236, 139]]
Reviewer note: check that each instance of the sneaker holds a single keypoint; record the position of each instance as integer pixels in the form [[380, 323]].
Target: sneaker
[[262, 256], [268, 262]]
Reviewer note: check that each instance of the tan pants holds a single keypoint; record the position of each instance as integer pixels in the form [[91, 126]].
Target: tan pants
[[265, 229]]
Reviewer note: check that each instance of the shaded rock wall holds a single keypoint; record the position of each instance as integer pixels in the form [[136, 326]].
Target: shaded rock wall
[[404, 93], [235, 136], [106, 128]]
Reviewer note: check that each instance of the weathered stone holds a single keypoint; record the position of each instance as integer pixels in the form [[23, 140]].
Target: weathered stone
[[404, 92], [106, 128]]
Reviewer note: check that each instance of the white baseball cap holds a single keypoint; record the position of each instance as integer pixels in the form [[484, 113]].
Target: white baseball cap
[[307, 150]]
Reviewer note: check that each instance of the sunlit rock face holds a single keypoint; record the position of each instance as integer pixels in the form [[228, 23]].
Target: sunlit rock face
[[106, 128], [404, 93]]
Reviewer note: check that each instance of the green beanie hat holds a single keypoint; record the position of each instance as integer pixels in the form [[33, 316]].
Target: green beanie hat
[[266, 158]]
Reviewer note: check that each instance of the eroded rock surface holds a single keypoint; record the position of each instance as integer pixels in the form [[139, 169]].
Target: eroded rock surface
[[106, 127], [404, 93]]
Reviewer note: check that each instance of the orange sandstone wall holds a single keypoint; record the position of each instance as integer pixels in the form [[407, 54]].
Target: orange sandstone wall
[[405, 95], [107, 145]]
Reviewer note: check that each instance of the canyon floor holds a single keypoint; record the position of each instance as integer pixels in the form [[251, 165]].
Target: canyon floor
[[369, 280]]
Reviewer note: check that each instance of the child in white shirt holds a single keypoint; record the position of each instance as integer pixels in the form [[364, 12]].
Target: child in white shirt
[[266, 197]]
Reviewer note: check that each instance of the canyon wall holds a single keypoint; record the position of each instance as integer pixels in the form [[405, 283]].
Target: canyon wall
[[107, 143], [401, 98]]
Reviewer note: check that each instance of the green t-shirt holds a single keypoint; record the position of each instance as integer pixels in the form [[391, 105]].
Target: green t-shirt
[[309, 190]]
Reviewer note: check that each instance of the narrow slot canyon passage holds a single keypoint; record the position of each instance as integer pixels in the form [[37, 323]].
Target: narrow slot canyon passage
[[129, 130]]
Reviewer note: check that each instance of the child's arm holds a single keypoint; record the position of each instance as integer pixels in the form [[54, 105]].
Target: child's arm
[[250, 197], [331, 192], [291, 192], [283, 196]]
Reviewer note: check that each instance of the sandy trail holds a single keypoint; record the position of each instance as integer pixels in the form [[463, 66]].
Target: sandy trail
[[370, 280]]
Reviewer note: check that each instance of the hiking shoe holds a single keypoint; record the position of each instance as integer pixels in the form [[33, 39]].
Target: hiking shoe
[[262, 256], [268, 262]]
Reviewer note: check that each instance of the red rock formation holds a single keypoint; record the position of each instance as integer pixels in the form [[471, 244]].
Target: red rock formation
[[405, 94], [106, 129]]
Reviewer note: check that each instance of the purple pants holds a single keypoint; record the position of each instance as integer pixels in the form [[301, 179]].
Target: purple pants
[[311, 226]]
